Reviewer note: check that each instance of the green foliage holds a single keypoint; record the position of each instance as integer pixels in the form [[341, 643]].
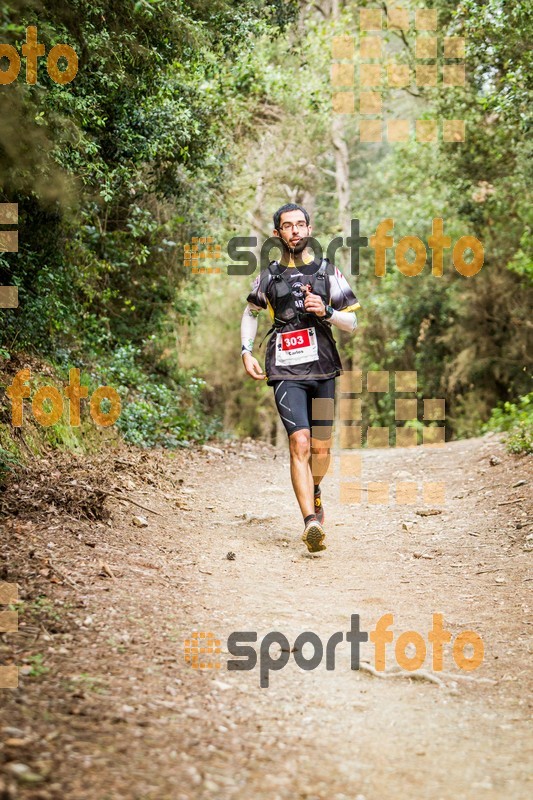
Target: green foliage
[[522, 261], [516, 419], [112, 173], [155, 413], [8, 461], [38, 668], [107, 169], [199, 118]]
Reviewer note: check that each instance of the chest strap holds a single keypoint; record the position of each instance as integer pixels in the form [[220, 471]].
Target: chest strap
[[320, 274]]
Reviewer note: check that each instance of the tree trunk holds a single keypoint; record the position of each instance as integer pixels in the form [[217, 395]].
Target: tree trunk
[[342, 169], [342, 182]]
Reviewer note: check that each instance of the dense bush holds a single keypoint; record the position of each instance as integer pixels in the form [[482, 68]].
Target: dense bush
[[114, 171], [516, 419], [154, 413]]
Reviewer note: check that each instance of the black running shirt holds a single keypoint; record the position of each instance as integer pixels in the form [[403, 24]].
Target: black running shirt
[[303, 350]]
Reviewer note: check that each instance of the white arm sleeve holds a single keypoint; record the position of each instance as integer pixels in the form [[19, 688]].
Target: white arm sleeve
[[344, 320], [249, 327]]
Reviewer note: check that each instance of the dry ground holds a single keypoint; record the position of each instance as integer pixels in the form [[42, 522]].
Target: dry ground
[[107, 708]]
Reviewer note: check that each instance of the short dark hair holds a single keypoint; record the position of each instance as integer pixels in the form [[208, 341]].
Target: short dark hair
[[289, 207]]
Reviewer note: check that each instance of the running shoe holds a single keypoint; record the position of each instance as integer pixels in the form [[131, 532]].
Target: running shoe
[[319, 509], [314, 536]]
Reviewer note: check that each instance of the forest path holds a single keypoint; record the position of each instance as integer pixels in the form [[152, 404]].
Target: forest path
[[121, 715]]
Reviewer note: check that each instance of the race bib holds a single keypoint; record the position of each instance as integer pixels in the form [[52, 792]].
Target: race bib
[[296, 347]]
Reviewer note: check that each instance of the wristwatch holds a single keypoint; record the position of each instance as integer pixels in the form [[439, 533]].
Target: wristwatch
[[329, 312]]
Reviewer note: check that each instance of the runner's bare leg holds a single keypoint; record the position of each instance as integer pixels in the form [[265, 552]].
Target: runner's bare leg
[[319, 458], [301, 477]]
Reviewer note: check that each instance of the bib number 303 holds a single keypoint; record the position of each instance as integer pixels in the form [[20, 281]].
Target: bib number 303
[[296, 347], [297, 339]]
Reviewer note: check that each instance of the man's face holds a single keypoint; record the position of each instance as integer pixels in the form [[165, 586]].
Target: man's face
[[294, 231]]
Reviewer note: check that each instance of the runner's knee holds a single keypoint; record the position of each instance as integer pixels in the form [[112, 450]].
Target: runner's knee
[[321, 449], [300, 444], [321, 445]]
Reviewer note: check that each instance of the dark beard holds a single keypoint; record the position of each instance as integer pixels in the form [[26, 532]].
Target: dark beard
[[299, 248]]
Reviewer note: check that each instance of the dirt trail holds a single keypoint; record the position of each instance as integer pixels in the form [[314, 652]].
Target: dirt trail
[[120, 714]]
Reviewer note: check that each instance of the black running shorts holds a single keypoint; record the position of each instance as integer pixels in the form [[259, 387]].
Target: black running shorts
[[294, 401]]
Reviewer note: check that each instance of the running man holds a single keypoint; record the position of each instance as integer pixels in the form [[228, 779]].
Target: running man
[[305, 299]]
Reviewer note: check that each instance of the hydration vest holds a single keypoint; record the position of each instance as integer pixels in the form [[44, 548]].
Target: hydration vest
[[290, 315], [280, 295]]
